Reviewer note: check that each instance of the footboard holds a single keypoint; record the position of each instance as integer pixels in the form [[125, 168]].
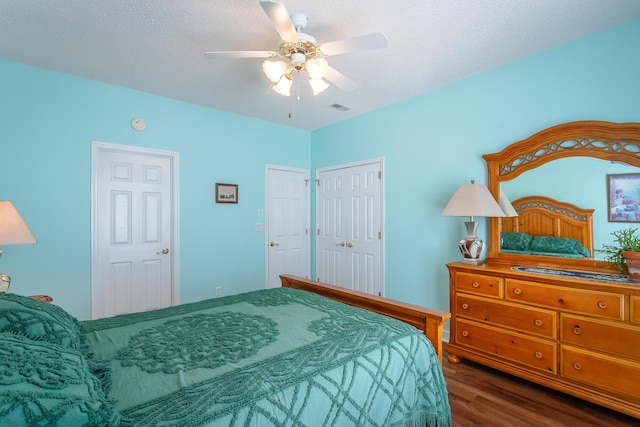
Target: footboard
[[429, 321]]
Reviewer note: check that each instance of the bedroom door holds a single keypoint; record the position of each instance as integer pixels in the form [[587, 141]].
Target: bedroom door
[[287, 221], [349, 215], [134, 230]]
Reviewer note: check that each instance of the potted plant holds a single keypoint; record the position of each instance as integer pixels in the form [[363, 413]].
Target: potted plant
[[626, 251]]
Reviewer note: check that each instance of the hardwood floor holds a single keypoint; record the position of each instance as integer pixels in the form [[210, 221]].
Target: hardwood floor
[[481, 396]]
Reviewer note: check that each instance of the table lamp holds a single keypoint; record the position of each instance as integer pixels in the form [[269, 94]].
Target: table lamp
[[473, 200], [13, 231]]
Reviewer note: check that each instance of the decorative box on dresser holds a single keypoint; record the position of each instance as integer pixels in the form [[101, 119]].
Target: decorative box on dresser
[[575, 335]]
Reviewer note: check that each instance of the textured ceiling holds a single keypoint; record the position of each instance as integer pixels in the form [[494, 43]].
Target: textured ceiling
[[157, 46]]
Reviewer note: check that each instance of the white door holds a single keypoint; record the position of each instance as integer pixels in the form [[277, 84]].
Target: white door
[[349, 227], [287, 219], [134, 237]]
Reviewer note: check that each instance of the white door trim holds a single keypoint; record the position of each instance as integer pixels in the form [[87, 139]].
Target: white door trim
[[267, 168], [98, 147], [379, 160]]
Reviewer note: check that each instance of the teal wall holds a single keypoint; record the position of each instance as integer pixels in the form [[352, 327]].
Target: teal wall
[[47, 123], [431, 143]]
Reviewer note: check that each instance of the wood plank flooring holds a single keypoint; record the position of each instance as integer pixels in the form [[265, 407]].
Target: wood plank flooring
[[481, 396]]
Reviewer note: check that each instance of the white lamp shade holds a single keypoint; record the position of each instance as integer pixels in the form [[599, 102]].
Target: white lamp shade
[[473, 200], [316, 67], [283, 87], [13, 229], [506, 206], [318, 85], [274, 70]]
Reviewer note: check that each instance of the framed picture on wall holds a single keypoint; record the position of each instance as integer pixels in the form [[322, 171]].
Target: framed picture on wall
[[226, 193], [623, 194]]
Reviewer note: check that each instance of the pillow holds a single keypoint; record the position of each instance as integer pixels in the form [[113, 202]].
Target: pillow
[[39, 321], [515, 241], [561, 245], [48, 384]]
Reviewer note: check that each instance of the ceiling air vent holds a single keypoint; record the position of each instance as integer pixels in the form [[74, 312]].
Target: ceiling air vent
[[340, 107]]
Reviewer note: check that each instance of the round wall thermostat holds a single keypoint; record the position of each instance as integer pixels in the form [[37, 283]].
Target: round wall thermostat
[[138, 124]]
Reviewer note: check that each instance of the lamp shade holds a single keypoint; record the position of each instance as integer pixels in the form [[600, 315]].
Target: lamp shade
[[283, 87], [274, 70], [473, 200], [316, 67], [506, 206], [318, 85], [13, 229]]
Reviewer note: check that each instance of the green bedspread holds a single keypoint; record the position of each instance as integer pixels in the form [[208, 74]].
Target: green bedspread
[[271, 357]]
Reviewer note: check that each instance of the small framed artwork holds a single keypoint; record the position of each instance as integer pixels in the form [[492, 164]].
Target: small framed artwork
[[226, 193], [623, 197]]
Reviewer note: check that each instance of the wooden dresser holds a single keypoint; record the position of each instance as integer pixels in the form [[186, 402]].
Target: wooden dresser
[[578, 336]]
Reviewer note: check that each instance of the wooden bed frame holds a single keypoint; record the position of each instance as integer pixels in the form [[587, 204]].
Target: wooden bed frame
[[544, 216], [429, 321]]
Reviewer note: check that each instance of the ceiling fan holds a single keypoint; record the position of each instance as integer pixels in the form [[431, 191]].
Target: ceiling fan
[[299, 51]]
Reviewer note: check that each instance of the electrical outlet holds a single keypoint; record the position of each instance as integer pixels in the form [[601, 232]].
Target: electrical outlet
[[218, 291], [258, 226]]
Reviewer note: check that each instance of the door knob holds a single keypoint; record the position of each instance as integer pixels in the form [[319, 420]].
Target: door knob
[[349, 245], [164, 251], [340, 244], [274, 244]]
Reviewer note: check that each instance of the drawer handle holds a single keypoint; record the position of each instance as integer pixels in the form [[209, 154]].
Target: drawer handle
[[602, 305], [577, 330], [517, 291], [465, 333], [475, 284], [538, 355], [538, 322], [465, 306], [577, 366]]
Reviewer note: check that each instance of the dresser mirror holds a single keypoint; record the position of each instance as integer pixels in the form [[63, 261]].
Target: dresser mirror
[[583, 153]]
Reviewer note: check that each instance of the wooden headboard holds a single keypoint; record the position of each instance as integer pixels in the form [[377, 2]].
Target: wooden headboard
[[544, 216]]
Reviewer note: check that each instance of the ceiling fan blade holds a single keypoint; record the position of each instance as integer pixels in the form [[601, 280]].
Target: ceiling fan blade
[[278, 14], [240, 54], [340, 80], [355, 44]]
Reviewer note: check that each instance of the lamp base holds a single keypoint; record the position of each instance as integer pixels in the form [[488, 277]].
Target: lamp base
[[5, 282], [471, 248]]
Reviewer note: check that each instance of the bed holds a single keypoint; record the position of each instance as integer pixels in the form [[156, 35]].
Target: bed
[[303, 354], [548, 227]]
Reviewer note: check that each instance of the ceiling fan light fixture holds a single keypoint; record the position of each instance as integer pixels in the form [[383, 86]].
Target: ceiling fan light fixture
[[274, 70], [316, 67], [298, 58], [283, 87], [318, 85]]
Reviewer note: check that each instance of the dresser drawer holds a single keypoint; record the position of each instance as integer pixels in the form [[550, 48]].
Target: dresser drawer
[[529, 319], [603, 304], [635, 310], [479, 284], [601, 335], [608, 373], [530, 351]]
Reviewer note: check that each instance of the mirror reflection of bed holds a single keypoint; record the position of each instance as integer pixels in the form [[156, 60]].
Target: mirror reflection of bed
[[581, 181], [548, 227]]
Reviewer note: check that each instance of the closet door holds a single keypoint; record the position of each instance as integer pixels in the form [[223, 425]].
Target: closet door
[[349, 227]]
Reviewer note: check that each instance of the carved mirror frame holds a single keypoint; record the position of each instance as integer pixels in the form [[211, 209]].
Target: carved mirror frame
[[617, 142]]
